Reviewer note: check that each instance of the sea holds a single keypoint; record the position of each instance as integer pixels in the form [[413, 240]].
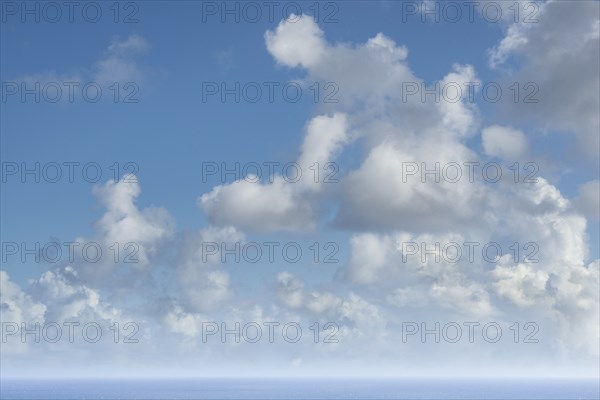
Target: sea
[[297, 389]]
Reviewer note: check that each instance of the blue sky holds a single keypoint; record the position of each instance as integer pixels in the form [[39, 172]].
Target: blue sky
[[170, 55]]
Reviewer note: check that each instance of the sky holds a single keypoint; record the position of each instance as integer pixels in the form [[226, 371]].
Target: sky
[[300, 188]]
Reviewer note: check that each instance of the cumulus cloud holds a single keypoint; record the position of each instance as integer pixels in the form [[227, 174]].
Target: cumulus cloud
[[378, 205], [397, 130], [286, 203], [16, 305], [384, 205], [369, 253], [562, 59], [296, 41], [325, 137], [364, 73], [504, 142], [257, 206], [203, 284], [134, 237], [392, 190], [56, 296], [185, 323], [523, 284], [414, 274], [69, 299], [588, 199], [357, 319], [124, 223]]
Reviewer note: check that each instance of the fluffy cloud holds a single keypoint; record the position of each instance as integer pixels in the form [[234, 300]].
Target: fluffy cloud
[[185, 323], [257, 206], [286, 203], [522, 284], [56, 296], [68, 299], [562, 59], [201, 281], [297, 41], [369, 253], [399, 266], [397, 129], [504, 142], [379, 206], [386, 206], [588, 200], [124, 223], [135, 237], [382, 195], [16, 305], [365, 73], [358, 319], [324, 139]]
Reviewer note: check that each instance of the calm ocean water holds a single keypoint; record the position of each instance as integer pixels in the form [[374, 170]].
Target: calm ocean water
[[234, 389]]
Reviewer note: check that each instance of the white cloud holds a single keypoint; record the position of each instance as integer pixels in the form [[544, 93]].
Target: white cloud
[[124, 223], [364, 74], [376, 289], [132, 45], [588, 200], [68, 299], [358, 319], [16, 305], [296, 41], [369, 253], [374, 198], [203, 284], [504, 142], [378, 196], [324, 138], [257, 206], [523, 284], [396, 130], [286, 203], [188, 324], [562, 59]]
